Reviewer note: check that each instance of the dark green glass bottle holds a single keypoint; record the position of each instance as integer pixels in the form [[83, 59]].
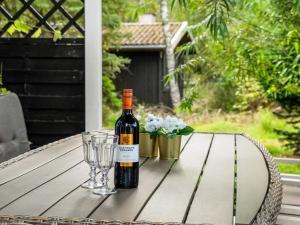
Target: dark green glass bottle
[[127, 161]]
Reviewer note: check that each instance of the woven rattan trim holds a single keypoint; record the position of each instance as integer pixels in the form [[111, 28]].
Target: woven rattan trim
[[267, 215], [29, 153], [5, 220]]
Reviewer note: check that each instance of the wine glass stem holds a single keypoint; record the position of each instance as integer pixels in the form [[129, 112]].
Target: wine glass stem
[[104, 178], [93, 173]]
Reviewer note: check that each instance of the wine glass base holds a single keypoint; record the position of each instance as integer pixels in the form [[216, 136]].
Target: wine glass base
[[91, 185], [105, 191]]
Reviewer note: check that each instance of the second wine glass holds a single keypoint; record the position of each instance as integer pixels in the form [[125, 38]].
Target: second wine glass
[[105, 160], [90, 157]]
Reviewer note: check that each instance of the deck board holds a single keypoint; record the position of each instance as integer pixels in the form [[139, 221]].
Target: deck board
[[213, 202], [38, 159], [170, 201], [252, 180], [49, 193], [24, 184]]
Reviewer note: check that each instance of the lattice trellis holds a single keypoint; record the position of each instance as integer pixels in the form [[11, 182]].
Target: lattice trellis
[[56, 16]]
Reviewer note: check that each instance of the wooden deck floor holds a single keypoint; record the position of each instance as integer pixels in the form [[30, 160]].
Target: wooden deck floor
[[290, 209]]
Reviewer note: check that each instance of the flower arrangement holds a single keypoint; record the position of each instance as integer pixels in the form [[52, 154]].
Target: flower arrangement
[[163, 134], [151, 124], [173, 126], [169, 126]]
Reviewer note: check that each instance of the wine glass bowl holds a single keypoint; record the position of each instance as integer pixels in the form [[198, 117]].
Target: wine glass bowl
[[90, 157], [105, 160]]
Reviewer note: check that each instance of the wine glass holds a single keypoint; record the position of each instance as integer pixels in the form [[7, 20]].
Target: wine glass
[[90, 158], [105, 160]]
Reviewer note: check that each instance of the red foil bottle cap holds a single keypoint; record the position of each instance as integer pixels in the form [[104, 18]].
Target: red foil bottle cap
[[127, 98]]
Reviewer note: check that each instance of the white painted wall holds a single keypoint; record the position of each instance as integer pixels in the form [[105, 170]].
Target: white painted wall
[[93, 64]]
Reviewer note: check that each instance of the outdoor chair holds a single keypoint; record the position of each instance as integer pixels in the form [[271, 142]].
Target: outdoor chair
[[13, 135]]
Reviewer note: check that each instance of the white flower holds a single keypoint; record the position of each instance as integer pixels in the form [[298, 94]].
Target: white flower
[[181, 124], [150, 127], [152, 123], [158, 122], [169, 124], [172, 123], [150, 117], [138, 117]]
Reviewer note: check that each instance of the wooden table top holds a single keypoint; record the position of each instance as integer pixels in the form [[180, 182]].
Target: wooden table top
[[220, 179]]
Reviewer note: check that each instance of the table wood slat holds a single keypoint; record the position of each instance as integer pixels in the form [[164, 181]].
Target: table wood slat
[[213, 201], [38, 159], [22, 185], [252, 180], [68, 206], [38, 200], [171, 199]]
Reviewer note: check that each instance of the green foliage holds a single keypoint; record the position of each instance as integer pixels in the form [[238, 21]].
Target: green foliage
[[217, 20], [143, 7], [109, 94], [20, 28], [260, 58], [249, 95], [112, 12], [185, 131], [182, 3], [288, 168], [224, 92], [2, 89], [259, 125], [57, 35], [187, 102], [162, 131], [38, 33], [274, 62], [26, 22]]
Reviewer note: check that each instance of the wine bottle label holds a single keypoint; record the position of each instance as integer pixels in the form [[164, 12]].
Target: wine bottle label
[[126, 139], [127, 152]]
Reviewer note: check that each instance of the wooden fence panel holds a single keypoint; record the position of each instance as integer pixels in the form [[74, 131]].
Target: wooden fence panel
[[49, 80]]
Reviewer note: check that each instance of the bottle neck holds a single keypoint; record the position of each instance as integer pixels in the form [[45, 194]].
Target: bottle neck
[[127, 111], [127, 103]]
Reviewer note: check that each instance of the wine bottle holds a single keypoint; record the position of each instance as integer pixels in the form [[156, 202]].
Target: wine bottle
[[127, 161]]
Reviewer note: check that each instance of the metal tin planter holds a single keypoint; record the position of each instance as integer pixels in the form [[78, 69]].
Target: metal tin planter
[[169, 148], [148, 146]]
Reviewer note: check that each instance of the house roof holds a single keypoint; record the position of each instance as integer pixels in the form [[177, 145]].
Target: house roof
[[150, 36]]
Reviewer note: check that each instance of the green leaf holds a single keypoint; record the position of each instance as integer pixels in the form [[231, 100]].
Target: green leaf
[[186, 131], [11, 30], [21, 26], [154, 134], [181, 3], [37, 33], [297, 4], [57, 35]]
